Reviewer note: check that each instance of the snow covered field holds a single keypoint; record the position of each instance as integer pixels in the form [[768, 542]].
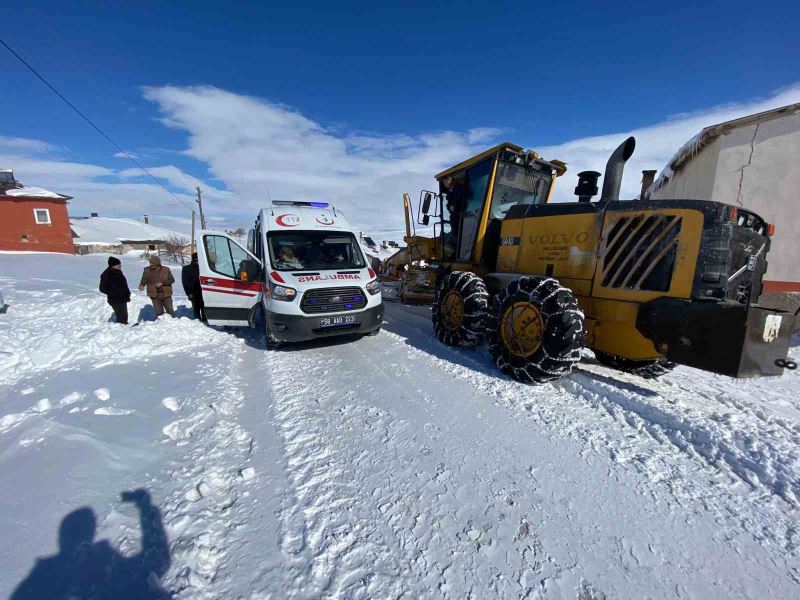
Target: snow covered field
[[382, 467]]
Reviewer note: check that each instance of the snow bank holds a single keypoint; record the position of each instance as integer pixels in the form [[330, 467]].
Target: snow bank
[[65, 323]]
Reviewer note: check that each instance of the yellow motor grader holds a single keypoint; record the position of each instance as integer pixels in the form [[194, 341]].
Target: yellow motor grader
[[644, 284]]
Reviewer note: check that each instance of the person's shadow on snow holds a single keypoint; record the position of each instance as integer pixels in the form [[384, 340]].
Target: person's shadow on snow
[[90, 570]]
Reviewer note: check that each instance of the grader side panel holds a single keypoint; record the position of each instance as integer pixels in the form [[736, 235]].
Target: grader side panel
[[648, 254]]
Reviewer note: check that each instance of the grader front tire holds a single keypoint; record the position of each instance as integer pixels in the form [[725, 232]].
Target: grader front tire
[[459, 309], [535, 330]]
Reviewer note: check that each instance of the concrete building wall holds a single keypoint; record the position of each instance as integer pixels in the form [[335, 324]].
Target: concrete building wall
[[758, 168], [695, 178], [20, 231]]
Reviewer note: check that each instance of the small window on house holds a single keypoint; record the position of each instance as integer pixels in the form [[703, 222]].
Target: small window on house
[[24, 238], [42, 216], [151, 246]]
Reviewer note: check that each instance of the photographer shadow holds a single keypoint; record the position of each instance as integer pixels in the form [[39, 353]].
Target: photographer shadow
[[89, 569]]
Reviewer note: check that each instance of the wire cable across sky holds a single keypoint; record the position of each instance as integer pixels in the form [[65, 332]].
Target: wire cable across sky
[[89, 121]]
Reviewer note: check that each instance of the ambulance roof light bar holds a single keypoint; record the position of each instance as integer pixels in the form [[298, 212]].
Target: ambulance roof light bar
[[300, 203]]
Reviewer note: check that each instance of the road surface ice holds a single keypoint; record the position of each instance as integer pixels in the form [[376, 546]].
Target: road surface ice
[[382, 467]]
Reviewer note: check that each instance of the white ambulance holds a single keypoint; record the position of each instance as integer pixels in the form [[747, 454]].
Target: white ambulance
[[303, 270]]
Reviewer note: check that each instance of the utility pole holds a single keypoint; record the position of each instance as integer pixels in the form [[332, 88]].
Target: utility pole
[[194, 248], [200, 203]]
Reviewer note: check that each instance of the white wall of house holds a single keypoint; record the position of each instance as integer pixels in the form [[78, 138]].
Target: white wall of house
[[770, 184], [764, 158], [695, 178]]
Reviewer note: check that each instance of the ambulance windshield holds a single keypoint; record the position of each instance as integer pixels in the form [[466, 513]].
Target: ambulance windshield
[[314, 251]]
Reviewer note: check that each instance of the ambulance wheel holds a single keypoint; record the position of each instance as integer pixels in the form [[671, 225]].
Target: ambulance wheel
[[459, 309], [648, 369], [535, 330], [271, 342]]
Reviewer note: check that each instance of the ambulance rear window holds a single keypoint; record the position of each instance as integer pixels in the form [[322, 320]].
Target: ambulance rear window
[[314, 251]]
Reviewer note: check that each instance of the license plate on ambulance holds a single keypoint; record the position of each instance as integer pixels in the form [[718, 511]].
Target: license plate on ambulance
[[337, 321]]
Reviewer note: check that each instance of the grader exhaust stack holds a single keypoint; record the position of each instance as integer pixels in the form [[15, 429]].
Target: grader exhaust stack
[[612, 180]]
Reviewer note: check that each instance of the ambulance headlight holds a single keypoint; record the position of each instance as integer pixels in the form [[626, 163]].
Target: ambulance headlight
[[281, 292], [374, 287]]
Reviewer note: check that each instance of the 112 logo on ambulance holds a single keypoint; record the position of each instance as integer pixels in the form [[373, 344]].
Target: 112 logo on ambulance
[[324, 219], [288, 220]]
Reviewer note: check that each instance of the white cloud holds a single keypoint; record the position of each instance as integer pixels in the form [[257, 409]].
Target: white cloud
[[256, 147], [16, 144], [94, 188], [253, 145], [250, 146], [655, 144], [125, 156]]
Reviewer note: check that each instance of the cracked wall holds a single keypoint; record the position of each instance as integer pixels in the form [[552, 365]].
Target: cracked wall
[[758, 168]]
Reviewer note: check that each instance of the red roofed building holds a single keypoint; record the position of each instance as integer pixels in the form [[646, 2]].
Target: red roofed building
[[32, 218]]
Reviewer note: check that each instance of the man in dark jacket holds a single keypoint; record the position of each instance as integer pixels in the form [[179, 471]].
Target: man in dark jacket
[[190, 277], [456, 205], [114, 285]]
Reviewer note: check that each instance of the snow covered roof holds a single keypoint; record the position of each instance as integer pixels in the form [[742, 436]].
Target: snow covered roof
[[113, 231], [690, 149], [379, 252], [35, 192]]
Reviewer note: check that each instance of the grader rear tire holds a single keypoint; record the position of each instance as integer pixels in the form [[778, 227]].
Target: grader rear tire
[[535, 330], [459, 309]]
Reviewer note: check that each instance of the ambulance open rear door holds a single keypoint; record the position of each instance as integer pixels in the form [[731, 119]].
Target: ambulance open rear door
[[231, 278]]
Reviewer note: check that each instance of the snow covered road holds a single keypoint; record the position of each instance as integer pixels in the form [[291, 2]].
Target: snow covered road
[[384, 467]]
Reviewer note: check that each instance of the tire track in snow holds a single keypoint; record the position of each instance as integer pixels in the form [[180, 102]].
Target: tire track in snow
[[370, 513], [692, 478], [330, 551], [201, 514], [758, 452]]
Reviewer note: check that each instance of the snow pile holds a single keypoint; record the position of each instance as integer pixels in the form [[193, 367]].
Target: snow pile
[[41, 332]]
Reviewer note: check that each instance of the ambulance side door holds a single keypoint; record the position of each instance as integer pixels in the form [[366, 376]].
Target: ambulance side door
[[231, 279]]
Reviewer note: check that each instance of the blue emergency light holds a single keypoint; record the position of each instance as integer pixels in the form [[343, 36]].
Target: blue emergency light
[[300, 203]]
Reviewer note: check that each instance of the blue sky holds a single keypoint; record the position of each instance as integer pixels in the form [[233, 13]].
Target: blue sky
[[359, 101]]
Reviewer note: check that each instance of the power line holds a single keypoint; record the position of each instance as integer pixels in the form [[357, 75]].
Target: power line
[[89, 121]]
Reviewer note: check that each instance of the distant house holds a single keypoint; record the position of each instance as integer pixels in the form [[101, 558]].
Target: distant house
[[369, 242], [118, 235], [32, 218], [752, 162]]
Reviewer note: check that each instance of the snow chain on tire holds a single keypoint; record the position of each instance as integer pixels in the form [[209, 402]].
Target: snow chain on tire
[[647, 369], [535, 330], [459, 309]]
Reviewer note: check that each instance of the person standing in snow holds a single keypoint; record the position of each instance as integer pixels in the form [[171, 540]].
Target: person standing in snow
[[190, 277], [114, 285], [158, 280]]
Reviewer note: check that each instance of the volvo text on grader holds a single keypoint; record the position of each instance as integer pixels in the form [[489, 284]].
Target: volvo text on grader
[[644, 284]]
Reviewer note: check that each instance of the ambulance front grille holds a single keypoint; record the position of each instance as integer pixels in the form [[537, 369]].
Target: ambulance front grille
[[328, 300]]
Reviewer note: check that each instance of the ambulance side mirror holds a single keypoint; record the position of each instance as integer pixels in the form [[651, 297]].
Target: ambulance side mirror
[[426, 219]]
